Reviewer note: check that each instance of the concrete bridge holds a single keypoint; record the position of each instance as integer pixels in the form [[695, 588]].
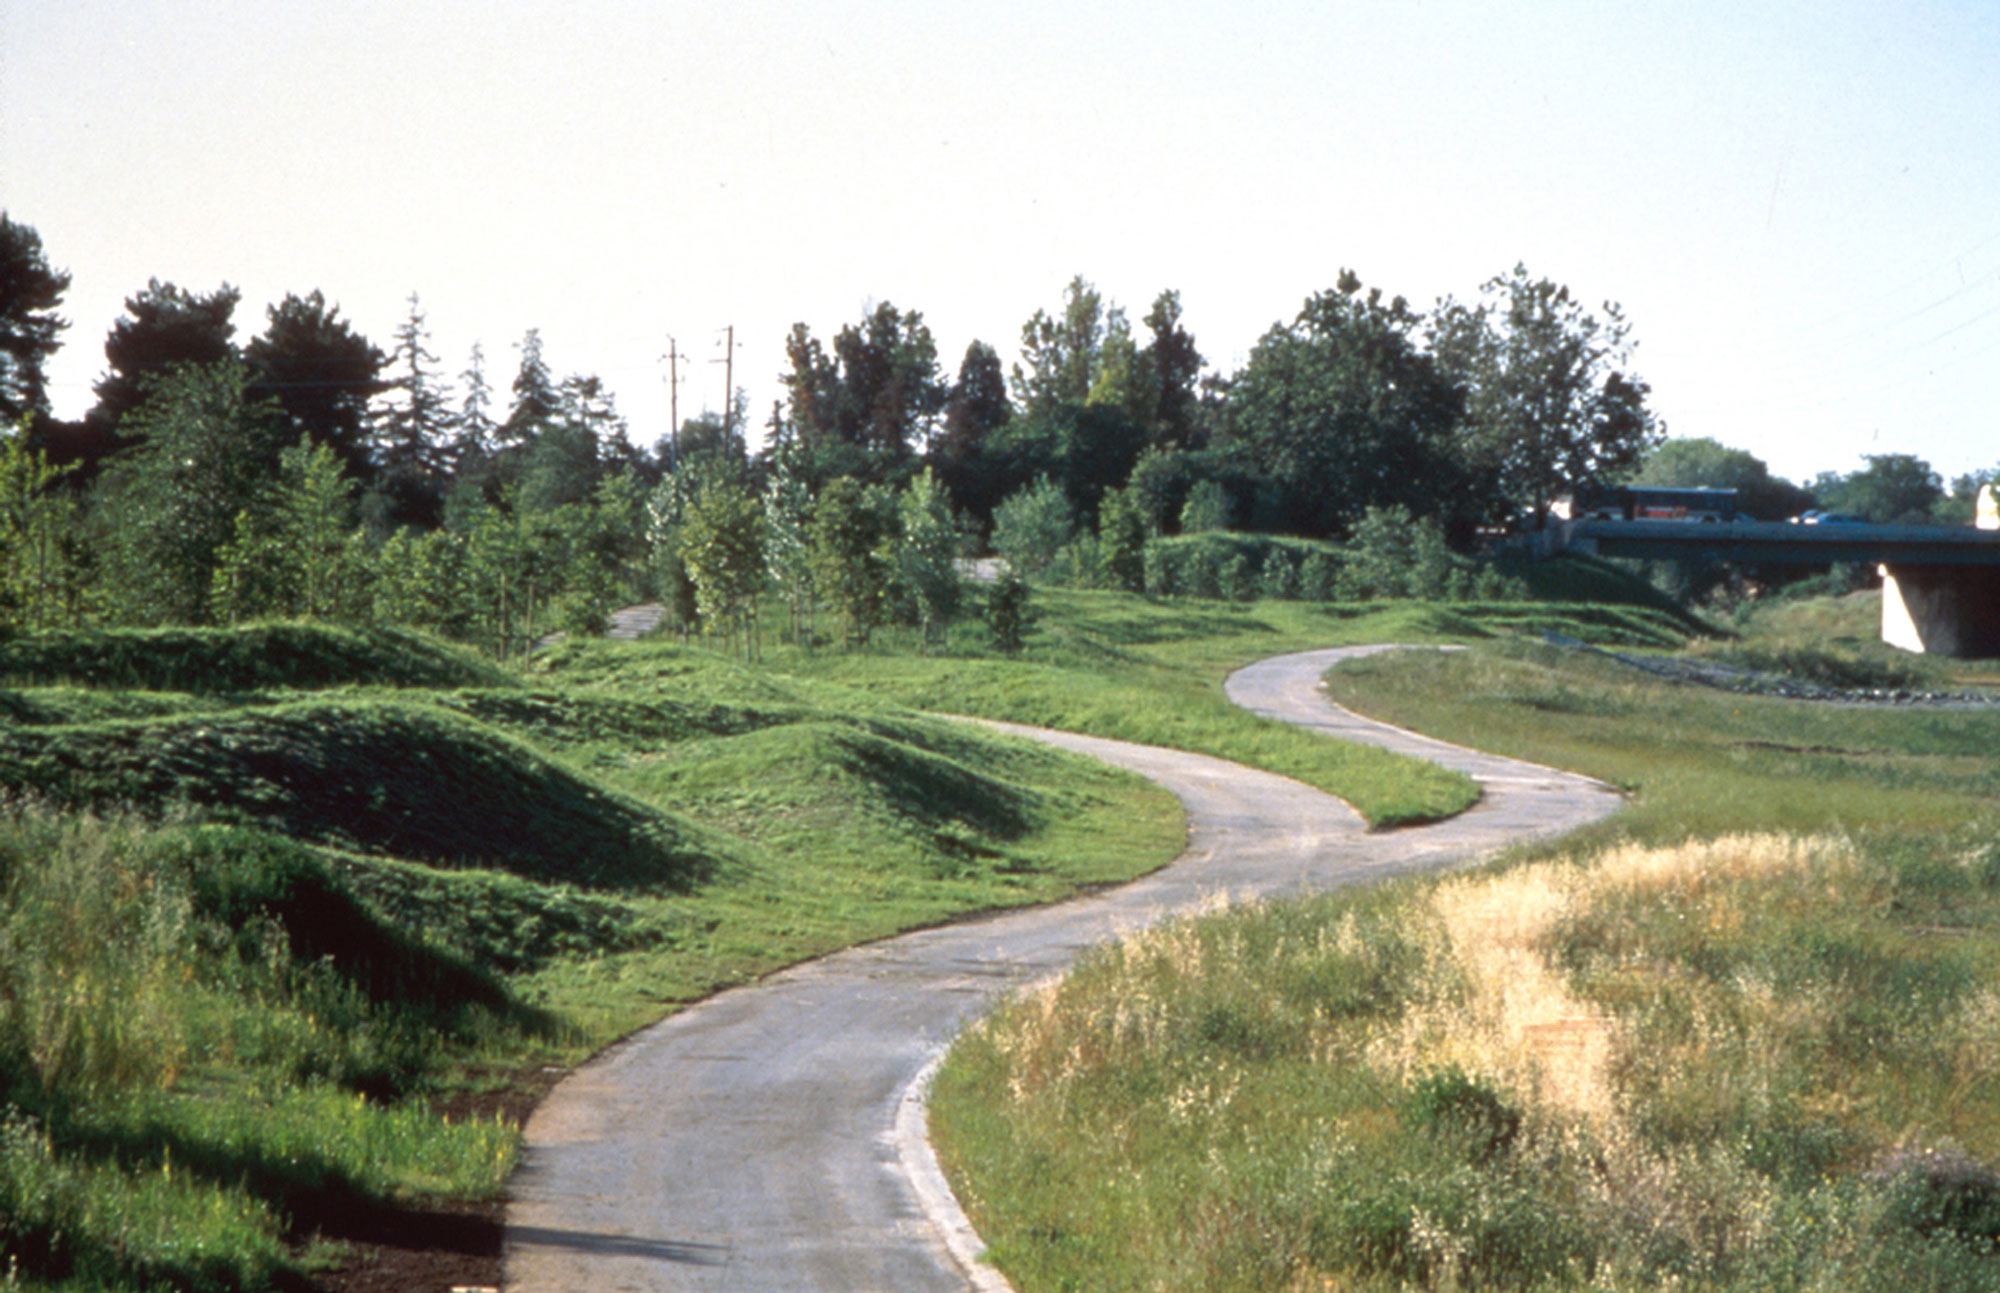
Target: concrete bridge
[[1940, 583]]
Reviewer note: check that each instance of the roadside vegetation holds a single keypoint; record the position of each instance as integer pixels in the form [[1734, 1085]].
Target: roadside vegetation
[[1739, 1036]]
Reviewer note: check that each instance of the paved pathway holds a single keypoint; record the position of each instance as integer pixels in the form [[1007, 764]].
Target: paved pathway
[[749, 1142]]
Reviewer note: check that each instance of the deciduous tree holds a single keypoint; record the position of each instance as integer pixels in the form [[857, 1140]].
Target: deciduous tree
[[852, 531], [1342, 410], [927, 555], [204, 453], [1550, 403]]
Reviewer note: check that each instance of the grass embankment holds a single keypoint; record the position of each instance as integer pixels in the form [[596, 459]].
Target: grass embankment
[[1743, 1036], [259, 922], [1150, 670]]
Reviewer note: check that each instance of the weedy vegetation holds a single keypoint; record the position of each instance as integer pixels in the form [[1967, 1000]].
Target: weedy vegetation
[[1741, 1036]]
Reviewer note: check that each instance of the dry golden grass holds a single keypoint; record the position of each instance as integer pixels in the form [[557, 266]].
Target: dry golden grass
[[1513, 1016]]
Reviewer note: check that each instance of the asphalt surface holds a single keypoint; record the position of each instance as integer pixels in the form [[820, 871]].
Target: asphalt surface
[[751, 1142]]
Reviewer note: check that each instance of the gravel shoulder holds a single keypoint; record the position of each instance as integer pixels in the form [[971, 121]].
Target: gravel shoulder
[[749, 1142]]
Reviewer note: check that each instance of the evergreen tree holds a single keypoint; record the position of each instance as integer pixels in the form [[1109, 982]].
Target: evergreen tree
[[536, 398], [976, 407], [30, 328], [322, 373], [1164, 385], [472, 440], [411, 433], [163, 326]]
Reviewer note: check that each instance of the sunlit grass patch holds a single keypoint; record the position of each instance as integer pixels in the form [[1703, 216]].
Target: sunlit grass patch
[[1742, 1063]]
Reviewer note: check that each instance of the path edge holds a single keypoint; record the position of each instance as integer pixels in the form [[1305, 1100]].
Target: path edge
[[919, 1162]]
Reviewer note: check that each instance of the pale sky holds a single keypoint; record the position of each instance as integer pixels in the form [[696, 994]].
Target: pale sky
[[1798, 205]]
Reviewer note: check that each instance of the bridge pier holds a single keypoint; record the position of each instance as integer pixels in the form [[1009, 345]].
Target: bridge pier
[[1950, 611]]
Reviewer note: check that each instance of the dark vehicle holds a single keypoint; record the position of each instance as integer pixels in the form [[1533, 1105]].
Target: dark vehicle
[[1655, 503]]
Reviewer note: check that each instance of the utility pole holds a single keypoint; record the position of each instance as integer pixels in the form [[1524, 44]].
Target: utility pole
[[728, 362], [673, 358]]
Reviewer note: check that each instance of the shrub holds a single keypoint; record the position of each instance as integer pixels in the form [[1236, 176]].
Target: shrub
[[1008, 614], [1280, 580], [1319, 577], [1032, 526]]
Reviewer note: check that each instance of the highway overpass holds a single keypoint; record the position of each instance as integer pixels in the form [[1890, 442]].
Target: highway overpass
[[1940, 583]]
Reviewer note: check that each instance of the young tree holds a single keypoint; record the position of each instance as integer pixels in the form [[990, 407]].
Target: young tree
[[851, 546], [30, 328], [42, 574], [1206, 508], [1008, 613], [1121, 541], [927, 555], [1032, 526], [298, 552], [204, 453], [721, 543], [788, 540], [321, 373], [1550, 404]]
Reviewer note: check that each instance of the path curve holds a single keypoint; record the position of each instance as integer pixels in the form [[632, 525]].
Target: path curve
[[749, 1142]]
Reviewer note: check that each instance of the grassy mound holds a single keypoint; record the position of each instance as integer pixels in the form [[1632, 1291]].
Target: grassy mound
[[834, 769], [398, 779], [1576, 577], [252, 658], [572, 719]]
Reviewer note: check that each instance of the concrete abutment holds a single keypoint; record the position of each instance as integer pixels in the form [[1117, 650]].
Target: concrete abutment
[[1951, 611]]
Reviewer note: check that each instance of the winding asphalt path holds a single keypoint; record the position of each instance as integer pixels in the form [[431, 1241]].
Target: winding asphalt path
[[751, 1142]]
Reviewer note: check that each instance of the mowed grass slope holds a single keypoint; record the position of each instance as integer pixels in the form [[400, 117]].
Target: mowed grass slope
[[263, 916], [1744, 1035], [1150, 670]]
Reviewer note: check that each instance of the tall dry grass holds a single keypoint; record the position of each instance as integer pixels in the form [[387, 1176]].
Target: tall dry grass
[[1748, 1062]]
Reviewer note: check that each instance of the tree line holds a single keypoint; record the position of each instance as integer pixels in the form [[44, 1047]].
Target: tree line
[[309, 471]]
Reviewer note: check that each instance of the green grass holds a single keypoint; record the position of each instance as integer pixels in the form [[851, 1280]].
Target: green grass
[[1740, 1036], [1697, 762], [254, 928]]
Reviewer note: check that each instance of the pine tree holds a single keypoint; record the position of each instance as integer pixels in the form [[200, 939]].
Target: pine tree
[[29, 326], [411, 433]]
